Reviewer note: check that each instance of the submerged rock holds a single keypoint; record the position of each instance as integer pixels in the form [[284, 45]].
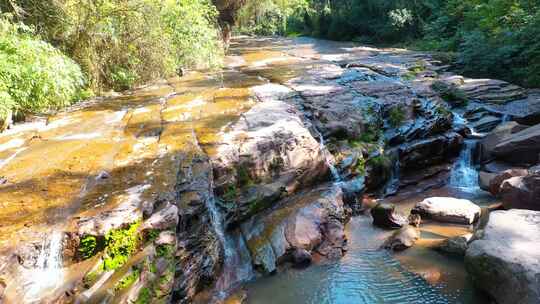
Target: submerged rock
[[406, 236], [448, 209], [504, 262], [455, 245]]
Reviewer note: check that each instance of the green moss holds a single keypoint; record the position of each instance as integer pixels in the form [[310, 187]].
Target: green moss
[[165, 251], [91, 277], [151, 235], [380, 161], [120, 245], [145, 296], [396, 116], [242, 176], [128, 280], [360, 166], [87, 247], [230, 194]]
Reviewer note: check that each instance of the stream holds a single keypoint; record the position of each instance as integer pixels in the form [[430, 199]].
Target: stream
[[367, 274], [129, 147]]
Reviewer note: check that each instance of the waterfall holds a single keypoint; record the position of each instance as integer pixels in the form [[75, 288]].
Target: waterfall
[[506, 118], [392, 186], [328, 158], [464, 175], [47, 273]]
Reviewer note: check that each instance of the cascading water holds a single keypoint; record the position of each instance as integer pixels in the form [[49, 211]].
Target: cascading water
[[392, 186], [328, 158], [48, 273], [464, 175]]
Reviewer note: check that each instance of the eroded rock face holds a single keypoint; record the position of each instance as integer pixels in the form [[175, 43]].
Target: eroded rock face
[[521, 192], [268, 153], [306, 223], [504, 261], [448, 209]]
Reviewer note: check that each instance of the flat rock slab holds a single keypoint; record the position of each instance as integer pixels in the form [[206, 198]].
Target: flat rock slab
[[448, 209], [505, 261]]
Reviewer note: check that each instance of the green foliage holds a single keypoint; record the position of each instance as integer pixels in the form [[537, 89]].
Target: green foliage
[[396, 116], [120, 245], [34, 76], [450, 93], [166, 251], [128, 280], [123, 43], [145, 296], [87, 247]]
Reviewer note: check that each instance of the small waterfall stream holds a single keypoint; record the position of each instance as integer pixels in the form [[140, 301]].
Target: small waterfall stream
[[464, 175], [48, 273], [329, 159]]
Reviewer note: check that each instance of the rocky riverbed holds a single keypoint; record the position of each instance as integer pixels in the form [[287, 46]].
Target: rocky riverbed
[[185, 190]]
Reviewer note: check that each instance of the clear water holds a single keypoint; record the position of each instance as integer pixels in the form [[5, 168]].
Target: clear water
[[464, 175], [366, 275]]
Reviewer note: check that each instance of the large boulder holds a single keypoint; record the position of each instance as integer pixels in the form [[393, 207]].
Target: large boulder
[[521, 192], [267, 154], [307, 222], [448, 209], [501, 132], [505, 260], [498, 179], [522, 147]]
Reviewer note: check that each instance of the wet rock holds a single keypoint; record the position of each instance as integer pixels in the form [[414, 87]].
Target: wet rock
[[352, 193], [484, 179], [301, 258], [269, 148], [434, 150], [520, 148], [521, 192], [165, 218], [308, 221], [406, 236], [384, 216], [500, 133], [486, 123], [504, 261], [498, 179], [525, 111], [455, 245], [448, 209], [498, 167]]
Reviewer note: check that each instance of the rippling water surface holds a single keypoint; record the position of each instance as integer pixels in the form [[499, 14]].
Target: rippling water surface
[[369, 275]]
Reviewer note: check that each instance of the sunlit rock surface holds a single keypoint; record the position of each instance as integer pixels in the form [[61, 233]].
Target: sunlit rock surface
[[504, 262]]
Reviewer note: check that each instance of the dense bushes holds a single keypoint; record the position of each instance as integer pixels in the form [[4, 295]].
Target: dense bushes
[[492, 38], [122, 43], [117, 44], [34, 76]]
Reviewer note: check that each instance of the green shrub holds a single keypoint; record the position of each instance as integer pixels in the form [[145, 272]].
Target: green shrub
[[120, 43], [34, 76], [396, 116]]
